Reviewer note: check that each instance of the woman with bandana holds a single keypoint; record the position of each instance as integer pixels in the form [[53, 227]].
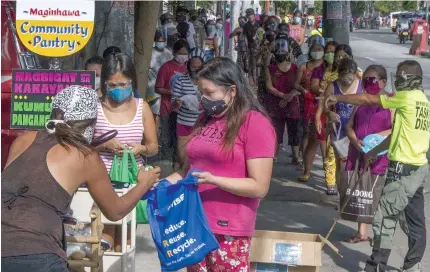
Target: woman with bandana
[[366, 120], [297, 31], [43, 171], [281, 99], [233, 143], [186, 100], [131, 117]]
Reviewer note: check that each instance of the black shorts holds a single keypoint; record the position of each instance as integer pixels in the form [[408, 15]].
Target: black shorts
[[294, 130]]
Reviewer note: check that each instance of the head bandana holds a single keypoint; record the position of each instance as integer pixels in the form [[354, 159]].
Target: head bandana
[[405, 82], [78, 104]]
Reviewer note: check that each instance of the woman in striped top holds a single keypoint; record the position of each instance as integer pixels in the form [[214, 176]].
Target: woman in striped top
[[119, 110], [186, 101]]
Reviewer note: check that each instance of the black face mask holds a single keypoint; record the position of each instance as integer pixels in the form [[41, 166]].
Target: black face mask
[[270, 37], [280, 58], [193, 74], [213, 107]]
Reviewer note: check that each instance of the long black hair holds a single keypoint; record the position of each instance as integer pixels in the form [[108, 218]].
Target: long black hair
[[117, 63], [225, 73]]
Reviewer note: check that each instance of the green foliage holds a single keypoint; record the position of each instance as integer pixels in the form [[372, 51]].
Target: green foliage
[[409, 5], [358, 8], [285, 7]]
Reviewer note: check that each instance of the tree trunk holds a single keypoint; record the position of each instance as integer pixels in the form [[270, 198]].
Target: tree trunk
[[144, 31]]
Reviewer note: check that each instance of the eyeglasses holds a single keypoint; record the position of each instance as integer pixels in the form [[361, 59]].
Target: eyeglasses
[[111, 85]]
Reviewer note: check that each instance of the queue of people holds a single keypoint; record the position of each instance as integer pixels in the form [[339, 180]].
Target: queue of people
[[201, 112]]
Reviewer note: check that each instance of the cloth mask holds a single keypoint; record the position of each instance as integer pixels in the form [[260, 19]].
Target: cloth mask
[[160, 45], [182, 59], [77, 103], [317, 55], [280, 58], [408, 83], [371, 85], [329, 57], [297, 20], [213, 107], [119, 94]]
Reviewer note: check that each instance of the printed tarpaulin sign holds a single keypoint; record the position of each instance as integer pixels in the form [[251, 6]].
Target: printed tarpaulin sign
[[34, 90], [286, 253], [178, 224], [54, 28]]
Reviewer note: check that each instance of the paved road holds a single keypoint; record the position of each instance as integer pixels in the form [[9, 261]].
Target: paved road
[[379, 47], [383, 35]]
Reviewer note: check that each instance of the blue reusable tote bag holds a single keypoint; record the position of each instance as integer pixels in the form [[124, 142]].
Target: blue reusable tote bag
[[178, 224]]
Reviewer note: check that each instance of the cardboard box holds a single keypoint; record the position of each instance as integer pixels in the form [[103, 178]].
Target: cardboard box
[[275, 251]]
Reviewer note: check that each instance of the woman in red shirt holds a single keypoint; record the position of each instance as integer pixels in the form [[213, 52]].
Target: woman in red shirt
[[281, 100]]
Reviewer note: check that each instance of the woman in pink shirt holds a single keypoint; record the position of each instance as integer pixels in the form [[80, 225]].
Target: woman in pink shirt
[[233, 144]]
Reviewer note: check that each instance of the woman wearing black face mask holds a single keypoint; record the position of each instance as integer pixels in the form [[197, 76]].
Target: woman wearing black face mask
[[186, 100], [281, 99], [233, 144]]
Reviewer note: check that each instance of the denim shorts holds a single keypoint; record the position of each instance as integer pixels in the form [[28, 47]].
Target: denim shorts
[[47, 262]]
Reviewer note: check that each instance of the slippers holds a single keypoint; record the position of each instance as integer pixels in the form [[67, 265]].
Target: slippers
[[304, 178], [357, 239]]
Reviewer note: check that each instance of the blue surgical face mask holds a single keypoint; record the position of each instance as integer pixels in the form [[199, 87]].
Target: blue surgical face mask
[[297, 20], [119, 94], [160, 45]]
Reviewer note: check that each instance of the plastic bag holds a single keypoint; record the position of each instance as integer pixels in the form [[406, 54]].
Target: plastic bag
[[178, 224], [125, 170]]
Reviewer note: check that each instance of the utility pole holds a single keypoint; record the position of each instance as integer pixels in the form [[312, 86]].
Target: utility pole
[[300, 4], [335, 21]]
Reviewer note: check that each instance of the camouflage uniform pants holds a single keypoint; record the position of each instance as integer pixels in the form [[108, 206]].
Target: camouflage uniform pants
[[403, 192]]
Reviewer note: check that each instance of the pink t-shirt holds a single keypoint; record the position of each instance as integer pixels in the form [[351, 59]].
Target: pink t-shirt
[[229, 214]]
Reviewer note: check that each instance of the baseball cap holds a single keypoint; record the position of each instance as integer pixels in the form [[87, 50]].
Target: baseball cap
[[250, 11]]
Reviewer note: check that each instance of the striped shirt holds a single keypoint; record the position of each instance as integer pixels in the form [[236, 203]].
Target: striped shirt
[[185, 87], [129, 133]]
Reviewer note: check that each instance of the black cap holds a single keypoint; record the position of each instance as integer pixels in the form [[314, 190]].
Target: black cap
[[165, 16], [250, 11]]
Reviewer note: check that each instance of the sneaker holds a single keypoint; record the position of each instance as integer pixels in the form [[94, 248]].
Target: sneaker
[[415, 268]]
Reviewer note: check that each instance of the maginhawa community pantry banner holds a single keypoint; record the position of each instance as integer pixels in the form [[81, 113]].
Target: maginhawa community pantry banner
[[34, 90], [54, 28]]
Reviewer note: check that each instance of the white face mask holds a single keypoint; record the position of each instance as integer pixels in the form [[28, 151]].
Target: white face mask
[[97, 85], [317, 55], [181, 58]]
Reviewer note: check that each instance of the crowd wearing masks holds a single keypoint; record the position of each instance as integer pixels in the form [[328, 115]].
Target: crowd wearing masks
[[228, 119]]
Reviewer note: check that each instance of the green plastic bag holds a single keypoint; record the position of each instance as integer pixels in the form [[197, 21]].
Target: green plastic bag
[[126, 170]]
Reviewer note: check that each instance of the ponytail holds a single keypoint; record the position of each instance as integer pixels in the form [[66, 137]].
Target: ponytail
[[70, 134]]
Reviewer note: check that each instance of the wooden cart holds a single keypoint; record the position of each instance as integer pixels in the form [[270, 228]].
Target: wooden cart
[[95, 262]]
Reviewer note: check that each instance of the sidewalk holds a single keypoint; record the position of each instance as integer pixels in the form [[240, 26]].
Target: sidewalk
[[300, 207]]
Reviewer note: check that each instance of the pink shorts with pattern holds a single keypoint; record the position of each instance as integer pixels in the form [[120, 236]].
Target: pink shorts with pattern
[[232, 256]]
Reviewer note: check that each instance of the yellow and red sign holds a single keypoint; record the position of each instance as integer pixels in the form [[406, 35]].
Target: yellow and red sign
[[54, 28]]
